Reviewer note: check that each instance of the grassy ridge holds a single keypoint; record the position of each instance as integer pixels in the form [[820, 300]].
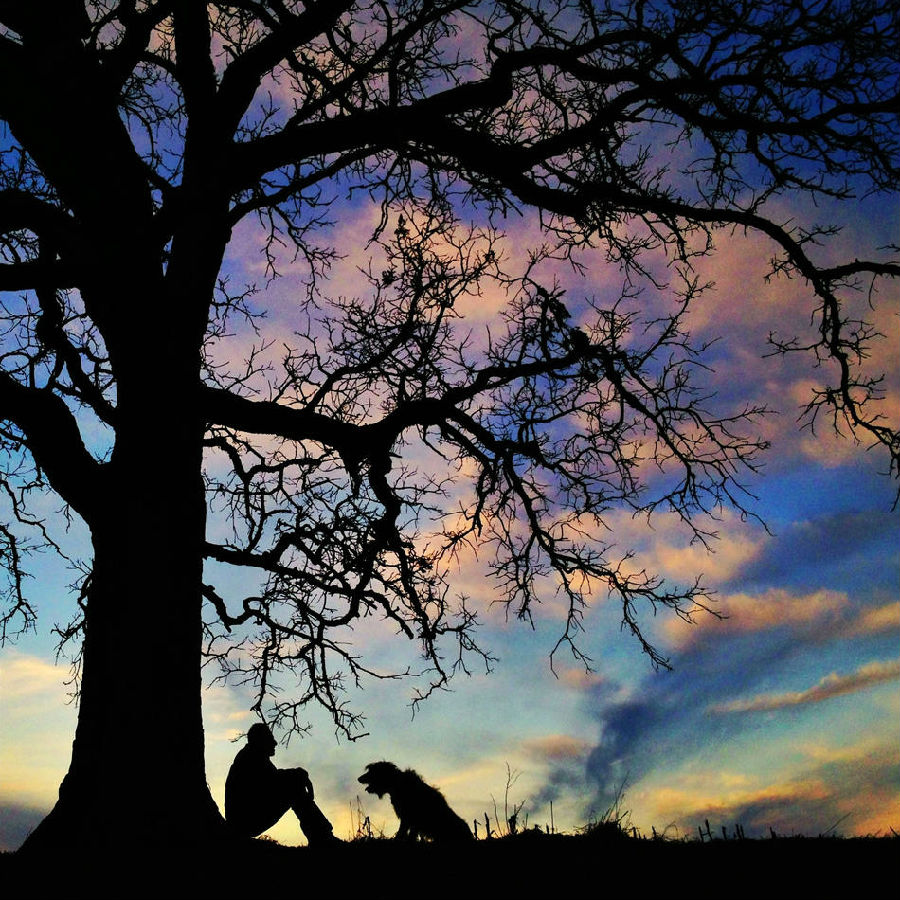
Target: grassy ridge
[[523, 866]]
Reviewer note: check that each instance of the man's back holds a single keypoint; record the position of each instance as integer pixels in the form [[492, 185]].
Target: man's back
[[251, 782]]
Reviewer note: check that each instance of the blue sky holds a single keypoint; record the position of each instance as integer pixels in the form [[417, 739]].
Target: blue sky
[[783, 715]]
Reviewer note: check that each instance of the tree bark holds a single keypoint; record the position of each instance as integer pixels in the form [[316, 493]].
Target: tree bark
[[137, 774]]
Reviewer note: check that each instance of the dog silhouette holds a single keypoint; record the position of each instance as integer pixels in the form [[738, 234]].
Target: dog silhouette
[[421, 808]]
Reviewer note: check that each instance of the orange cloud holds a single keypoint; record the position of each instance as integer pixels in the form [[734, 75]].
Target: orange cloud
[[832, 685], [557, 747], [849, 787], [758, 612], [580, 679], [665, 545], [672, 803], [876, 619], [881, 820]]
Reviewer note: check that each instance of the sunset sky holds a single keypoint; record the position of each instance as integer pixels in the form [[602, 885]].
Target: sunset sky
[[784, 715]]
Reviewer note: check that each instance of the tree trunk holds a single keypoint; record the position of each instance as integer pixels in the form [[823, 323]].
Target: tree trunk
[[137, 775]]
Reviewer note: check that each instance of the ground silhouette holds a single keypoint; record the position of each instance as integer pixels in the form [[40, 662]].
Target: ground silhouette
[[525, 865]]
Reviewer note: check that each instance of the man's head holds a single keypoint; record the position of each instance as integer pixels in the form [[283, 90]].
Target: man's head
[[260, 738]]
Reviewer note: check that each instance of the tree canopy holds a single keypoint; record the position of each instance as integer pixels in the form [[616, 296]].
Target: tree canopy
[[351, 463]]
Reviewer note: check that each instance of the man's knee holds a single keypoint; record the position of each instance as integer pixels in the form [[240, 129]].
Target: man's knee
[[296, 785]]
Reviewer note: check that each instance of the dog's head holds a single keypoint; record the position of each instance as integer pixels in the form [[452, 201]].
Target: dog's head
[[379, 778]]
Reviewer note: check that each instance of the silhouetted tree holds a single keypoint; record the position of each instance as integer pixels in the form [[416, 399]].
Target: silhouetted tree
[[138, 135]]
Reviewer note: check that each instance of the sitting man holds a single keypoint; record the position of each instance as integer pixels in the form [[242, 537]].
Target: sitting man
[[257, 794]]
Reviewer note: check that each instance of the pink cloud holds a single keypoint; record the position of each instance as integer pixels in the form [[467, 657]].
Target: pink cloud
[[743, 309]]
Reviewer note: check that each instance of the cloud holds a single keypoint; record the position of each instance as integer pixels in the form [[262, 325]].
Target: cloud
[[876, 619], [580, 679], [666, 546], [226, 712], [564, 777], [25, 677], [743, 309], [754, 808], [852, 791], [748, 613], [557, 747], [731, 553], [832, 685], [665, 719], [35, 741]]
